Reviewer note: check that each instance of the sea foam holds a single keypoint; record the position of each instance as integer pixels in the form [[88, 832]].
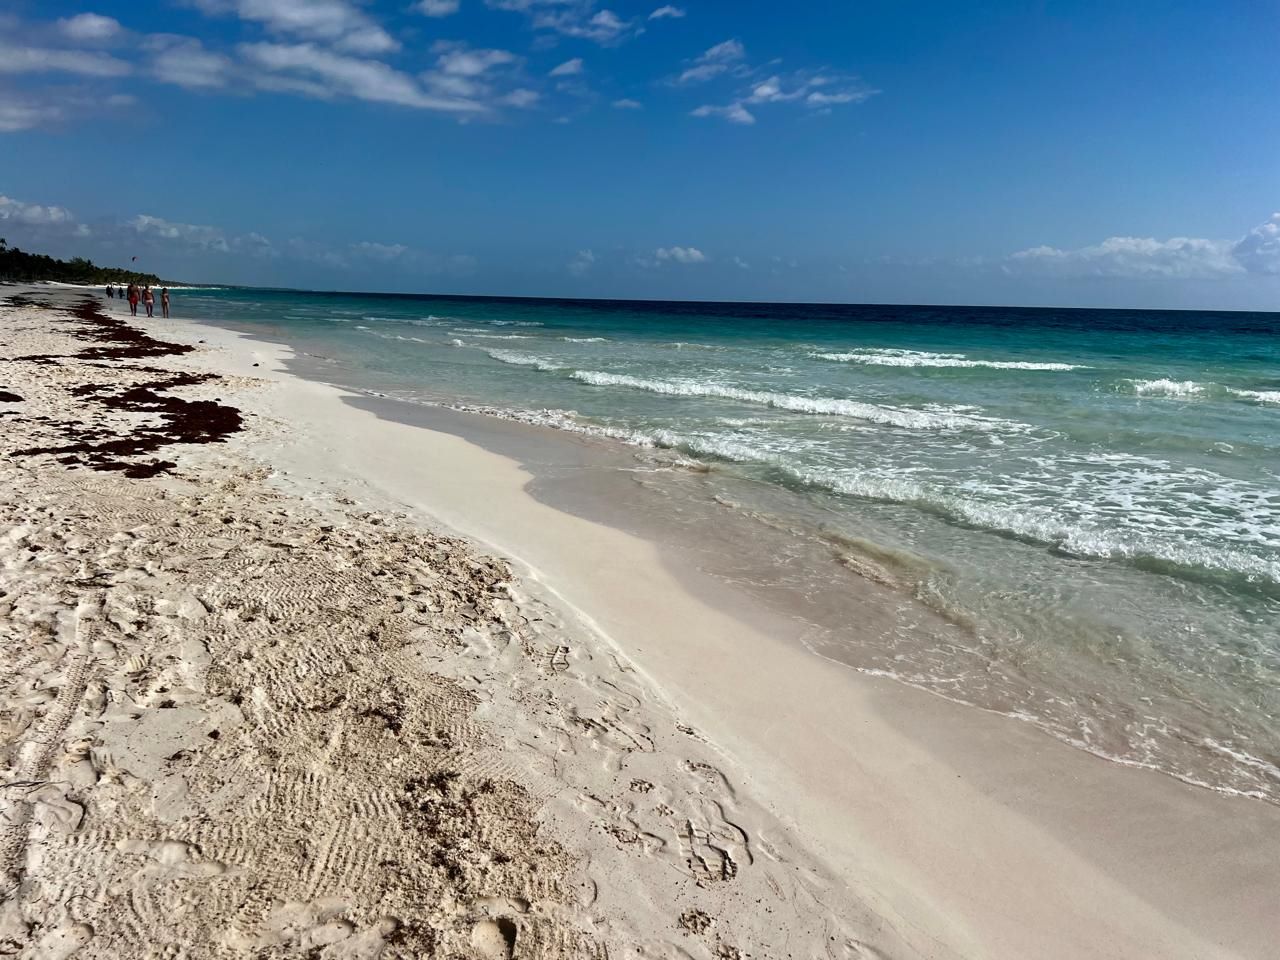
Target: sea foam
[[937, 418], [1259, 396], [1194, 389], [1168, 388], [524, 360], [919, 358], [829, 406]]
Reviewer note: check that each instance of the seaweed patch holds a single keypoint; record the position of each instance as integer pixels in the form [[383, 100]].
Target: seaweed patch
[[112, 447]]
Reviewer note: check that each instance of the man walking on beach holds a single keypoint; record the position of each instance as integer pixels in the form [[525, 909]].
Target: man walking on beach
[[149, 299], [133, 299]]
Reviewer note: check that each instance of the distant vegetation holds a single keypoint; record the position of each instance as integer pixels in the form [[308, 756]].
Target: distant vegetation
[[17, 264]]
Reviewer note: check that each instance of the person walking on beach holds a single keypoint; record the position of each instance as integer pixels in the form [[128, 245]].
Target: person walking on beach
[[164, 302], [111, 291], [149, 299], [133, 299]]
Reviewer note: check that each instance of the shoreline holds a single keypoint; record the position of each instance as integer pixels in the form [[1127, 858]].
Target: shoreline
[[570, 466], [245, 717], [941, 603], [970, 834], [1180, 867], [732, 303], [928, 728], [589, 494]]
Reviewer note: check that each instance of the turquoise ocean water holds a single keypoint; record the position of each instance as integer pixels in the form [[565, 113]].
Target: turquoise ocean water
[[1086, 504]]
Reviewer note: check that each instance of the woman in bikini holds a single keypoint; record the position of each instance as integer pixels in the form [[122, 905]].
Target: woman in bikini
[[164, 302]]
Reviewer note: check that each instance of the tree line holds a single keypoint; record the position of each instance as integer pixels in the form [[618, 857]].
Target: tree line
[[18, 265]]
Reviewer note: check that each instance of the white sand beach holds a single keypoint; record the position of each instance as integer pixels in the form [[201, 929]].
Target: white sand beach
[[337, 685]]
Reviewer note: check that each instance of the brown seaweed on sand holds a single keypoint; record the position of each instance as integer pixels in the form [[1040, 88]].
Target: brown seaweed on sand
[[98, 445]]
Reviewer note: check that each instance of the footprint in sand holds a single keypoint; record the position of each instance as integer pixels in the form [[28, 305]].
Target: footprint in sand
[[63, 942], [494, 939]]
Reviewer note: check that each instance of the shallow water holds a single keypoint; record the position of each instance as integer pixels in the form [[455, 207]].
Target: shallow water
[[1069, 516]]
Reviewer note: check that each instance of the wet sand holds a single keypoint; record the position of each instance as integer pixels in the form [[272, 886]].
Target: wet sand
[[983, 832]]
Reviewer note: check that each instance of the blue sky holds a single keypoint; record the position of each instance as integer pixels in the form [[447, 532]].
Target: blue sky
[[1084, 153]]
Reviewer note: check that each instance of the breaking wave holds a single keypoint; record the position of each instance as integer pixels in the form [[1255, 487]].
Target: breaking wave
[[524, 360], [1259, 396], [919, 358], [937, 419], [1169, 388]]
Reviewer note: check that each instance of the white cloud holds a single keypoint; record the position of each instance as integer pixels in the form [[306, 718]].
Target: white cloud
[[50, 107], [626, 104], [88, 27], [464, 73], [327, 73], [700, 72], [437, 8], [298, 86], [33, 214], [186, 234], [174, 240], [570, 68], [572, 18], [1185, 258], [333, 21], [185, 62], [713, 62], [733, 112], [741, 264], [604, 27], [582, 262], [667, 11], [817, 91], [1178, 258], [817, 99], [18, 115], [767, 92], [680, 254], [368, 40], [463, 62], [728, 50], [520, 98], [40, 219], [44, 60], [810, 88], [1259, 250]]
